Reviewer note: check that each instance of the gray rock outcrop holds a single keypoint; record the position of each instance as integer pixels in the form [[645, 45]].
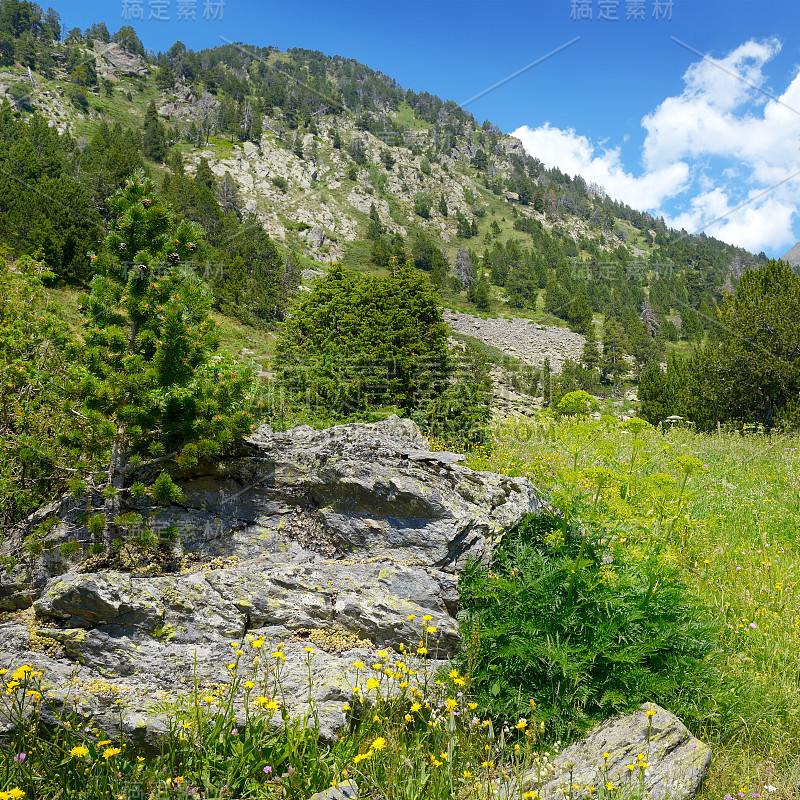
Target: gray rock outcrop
[[613, 752], [328, 538], [121, 60], [792, 257]]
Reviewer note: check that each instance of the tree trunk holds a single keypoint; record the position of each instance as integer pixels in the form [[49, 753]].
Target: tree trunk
[[116, 479]]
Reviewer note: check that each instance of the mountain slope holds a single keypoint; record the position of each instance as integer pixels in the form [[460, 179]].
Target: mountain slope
[[337, 162]]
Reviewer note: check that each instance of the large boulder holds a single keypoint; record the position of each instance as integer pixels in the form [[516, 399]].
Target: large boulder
[[618, 750], [120, 60], [343, 538]]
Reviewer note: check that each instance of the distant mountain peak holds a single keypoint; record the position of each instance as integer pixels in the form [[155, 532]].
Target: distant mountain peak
[[792, 256]]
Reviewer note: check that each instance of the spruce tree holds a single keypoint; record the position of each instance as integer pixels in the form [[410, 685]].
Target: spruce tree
[[155, 387]]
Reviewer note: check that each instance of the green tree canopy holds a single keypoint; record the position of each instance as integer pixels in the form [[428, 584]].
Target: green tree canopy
[[34, 364], [751, 372], [155, 385], [356, 342]]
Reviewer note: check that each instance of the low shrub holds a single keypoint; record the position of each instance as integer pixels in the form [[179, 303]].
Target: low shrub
[[584, 627]]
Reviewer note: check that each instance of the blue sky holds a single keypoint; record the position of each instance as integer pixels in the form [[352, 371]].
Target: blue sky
[[693, 115]]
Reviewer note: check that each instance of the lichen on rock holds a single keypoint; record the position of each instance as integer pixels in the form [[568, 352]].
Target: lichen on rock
[[334, 537]]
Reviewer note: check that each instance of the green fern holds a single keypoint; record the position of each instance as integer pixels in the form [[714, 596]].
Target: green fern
[[583, 636]]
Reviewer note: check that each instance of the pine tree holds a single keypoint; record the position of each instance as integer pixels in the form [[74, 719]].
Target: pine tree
[[256, 126], [591, 354], [154, 143], [356, 341], [579, 314], [478, 293], [654, 405], [374, 227], [615, 346], [547, 382], [155, 387]]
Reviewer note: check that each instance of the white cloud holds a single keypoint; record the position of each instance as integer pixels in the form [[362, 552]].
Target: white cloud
[[755, 226], [724, 113], [575, 154]]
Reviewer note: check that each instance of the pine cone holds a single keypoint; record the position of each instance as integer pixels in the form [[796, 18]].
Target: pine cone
[[173, 258], [122, 247], [191, 247], [147, 202]]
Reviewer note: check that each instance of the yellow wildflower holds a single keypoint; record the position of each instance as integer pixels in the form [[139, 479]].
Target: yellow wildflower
[[21, 672], [267, 704]]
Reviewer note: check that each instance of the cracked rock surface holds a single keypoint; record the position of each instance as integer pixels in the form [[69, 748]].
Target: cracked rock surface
[[333, 537]]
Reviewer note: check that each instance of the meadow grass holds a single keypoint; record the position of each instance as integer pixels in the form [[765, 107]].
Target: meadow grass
[[413, 733], [734, 534], [724, 508]]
